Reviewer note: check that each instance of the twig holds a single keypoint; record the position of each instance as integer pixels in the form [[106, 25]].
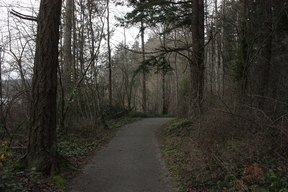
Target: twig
[[15, 132], [259, 111], [241, 117], [281, 117], [224, 104], [22, 16], [269, 98]]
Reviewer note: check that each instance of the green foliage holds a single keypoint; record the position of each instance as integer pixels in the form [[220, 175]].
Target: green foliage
[[148, 114], [115, 111], [180, 126], [9, 181], [183, 95], [59, 181], [160, 64], [20, 165], [114, 123], [275, 181], [210, 163], [160, 11], [176, 159], [71, 148], [240, 66], [4, 147]]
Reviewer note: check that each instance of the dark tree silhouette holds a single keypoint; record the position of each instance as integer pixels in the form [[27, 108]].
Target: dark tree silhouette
[[42, 146]]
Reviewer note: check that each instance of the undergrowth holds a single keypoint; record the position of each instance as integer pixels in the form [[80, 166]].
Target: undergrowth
[[148, 114], [227, 153], [77, 146]]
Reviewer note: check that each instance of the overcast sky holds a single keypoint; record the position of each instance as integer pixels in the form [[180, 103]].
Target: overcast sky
[[30, 7]]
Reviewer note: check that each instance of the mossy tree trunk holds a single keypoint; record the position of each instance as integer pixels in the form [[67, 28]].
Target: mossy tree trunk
[[42, 146]]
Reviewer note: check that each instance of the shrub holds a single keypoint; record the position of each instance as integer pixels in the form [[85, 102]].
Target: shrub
[[4, 152]]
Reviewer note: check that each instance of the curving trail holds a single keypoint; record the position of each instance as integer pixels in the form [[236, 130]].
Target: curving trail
[[131, 162]]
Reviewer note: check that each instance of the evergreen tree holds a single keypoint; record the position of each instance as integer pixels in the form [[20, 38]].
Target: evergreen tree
[[42, 147], [189, 14]]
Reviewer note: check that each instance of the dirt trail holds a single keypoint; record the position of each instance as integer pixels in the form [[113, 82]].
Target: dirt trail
[[131, 162]]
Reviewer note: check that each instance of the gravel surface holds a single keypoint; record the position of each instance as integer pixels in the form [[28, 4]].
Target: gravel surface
[[131, 162]]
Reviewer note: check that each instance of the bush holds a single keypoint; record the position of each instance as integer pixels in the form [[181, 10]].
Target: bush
[[243, 150], [71, 148], [4, 152], [114, 111]]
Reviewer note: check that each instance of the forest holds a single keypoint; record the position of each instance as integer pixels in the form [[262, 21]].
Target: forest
[[217, 66]]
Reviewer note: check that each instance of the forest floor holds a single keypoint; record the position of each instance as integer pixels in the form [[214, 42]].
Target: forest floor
[[79, 146], [132, 161], [222, 157]]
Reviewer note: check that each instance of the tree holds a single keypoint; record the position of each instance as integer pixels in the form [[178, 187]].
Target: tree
[[197, 64], [131, 19], [109, 56], [67, 42], [267, 51], [42, 147], [178, 14], [142, 29], [2, 56]]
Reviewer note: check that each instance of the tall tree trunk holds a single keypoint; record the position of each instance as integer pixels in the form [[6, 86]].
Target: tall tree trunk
[[207, 62], [244, 51], [176, 72], [81, 55], [267, 52], [164, 107], [109, 56], [75, 52], [128, 83], [212, 63], [67, 42], [42, 146], [197, 64], [102, 118], [92, 49], [2, 51], [222, 51], [144, 74], [216, 64]]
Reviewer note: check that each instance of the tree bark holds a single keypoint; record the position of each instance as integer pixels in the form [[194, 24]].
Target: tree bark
[[42, 146], [67, 42], [164, 107], [216, 50], [176, 72], [267, 52], [222, 50], [109, 57], [75, 52], [197, 64], [2, 52], [144, 75]]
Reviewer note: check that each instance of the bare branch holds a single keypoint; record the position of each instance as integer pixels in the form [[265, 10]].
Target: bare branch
[[22, 16]]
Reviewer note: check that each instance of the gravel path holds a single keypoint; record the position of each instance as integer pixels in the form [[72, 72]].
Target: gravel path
[[131, 162]]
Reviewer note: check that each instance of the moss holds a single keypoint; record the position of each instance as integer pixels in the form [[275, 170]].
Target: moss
[[71, 168], [20, 165], [59, 181], [64, 165]]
